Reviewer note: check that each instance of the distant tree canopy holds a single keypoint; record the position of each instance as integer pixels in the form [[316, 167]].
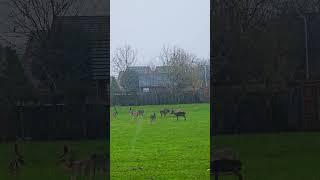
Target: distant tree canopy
[[123, 57], [13, 82], [129, 80], [258, 39], [179, 67], [114, 87]]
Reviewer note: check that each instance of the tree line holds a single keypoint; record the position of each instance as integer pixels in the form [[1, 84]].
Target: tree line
[[182, 69], [260, 39]]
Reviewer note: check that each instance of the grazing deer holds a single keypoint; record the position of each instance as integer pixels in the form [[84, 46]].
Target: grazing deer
[[16, 162], [225, 162], [178, 113], [152, 118], [141, 112], [164, 112], [115, 112], [77, 168], [133, 114]]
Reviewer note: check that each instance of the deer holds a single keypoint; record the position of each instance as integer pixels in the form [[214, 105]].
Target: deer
[[77, 168], [16, 162], [133, 114], [178, 113], [141, 112], [164, 112], [152, 118], [226, 162], [115, 112]]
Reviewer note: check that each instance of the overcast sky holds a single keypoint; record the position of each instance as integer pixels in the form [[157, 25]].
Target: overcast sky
[[147, 25]]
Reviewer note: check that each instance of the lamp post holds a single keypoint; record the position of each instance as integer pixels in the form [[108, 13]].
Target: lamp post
[[303, 16], [306, 46]]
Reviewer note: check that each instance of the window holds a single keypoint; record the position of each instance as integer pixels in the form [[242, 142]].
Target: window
[[145, 90]]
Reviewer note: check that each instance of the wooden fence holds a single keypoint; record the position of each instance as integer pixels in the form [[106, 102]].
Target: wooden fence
[[55, 122], [253, 114]]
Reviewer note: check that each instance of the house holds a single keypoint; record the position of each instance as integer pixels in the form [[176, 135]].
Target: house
[[157, 80], [151, 80], [96, 29]]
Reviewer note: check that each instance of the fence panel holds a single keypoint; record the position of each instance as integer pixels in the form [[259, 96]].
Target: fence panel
[[54, 122]]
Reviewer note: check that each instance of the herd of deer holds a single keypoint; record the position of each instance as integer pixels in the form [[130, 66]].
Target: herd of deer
[[164, 112], [177, 112], [82, 168]]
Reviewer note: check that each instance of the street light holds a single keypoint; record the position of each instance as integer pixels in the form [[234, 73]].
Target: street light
[[303, 16], [306, 45]]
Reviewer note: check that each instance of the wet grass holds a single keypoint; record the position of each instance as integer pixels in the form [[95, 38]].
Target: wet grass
[[279, 156], [41, 158], [167, 149]]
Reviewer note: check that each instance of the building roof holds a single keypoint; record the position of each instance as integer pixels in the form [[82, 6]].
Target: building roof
[[151, 78]]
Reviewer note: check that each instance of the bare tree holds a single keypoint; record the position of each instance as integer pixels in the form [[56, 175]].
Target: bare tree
[[195, 78], [178, 66], [34, 20], [123, 57], [309, 6], [35, 17]]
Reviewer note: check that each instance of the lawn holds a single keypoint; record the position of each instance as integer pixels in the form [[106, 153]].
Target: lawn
[[166, 149], [281, 156], [41, 158]]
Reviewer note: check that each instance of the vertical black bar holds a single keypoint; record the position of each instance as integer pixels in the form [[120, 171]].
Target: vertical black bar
[[211, 87]]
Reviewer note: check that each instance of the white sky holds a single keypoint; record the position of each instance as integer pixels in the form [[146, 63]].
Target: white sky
[[147, 25]]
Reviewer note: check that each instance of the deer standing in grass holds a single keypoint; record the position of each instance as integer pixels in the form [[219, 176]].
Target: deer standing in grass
[[225, 162], [134, 114], [152, 118], [77, 168], [115, 112], [164, 112], [16, 162], [141, 112], [179, 113]]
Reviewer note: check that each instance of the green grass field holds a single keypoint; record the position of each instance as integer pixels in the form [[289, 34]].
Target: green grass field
[[41, 159], [167, 149], [292, 156], [170, 149]]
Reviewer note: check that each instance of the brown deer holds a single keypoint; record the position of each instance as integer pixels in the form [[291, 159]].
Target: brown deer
[[77, 168], [152, 118], [141, 112], [134, 114], [164, 112], [16, 162], [225, 162], [115, 112], [178, 113]]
